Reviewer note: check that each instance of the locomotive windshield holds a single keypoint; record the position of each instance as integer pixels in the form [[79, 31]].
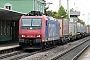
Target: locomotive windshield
[[31, 22]]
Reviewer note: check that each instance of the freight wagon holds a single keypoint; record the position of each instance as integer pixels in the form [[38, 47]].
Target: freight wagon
[[73, 30], [88, 30], [80, 30], [84, 30], [64, 29]]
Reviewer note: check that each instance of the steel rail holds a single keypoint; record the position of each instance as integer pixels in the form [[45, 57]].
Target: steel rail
[[65, 54], [22, 56], [79, 54]]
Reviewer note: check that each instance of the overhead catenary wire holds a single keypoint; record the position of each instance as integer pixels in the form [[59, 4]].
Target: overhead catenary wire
[[86, 10], [82, 5]]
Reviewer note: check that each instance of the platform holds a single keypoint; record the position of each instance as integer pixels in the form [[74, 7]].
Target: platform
[[85, 55], [5, 46], [8, 47]]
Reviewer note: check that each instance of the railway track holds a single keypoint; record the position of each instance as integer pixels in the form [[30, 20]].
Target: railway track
[[4, 51], [73, 53], [15, 54]]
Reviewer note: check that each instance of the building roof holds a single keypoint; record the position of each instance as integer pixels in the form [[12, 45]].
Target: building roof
[[10, 14], [74, 13]]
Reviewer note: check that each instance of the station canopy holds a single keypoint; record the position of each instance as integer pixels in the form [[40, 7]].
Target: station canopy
[[9, 14]]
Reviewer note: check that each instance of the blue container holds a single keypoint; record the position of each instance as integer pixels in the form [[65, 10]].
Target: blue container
[[52, 31]]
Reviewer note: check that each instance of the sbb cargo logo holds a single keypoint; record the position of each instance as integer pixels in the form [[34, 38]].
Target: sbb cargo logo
[[51, 30]]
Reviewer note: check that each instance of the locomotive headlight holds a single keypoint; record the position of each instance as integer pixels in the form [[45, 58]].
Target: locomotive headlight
[[38, 36], [23, 35]]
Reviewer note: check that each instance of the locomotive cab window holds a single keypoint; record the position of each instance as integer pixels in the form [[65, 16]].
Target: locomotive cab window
[[36, 22], [31, 22], [26, 22]]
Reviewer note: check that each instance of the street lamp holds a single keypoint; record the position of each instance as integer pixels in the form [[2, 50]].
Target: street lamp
[[45, 8], [48, 4]]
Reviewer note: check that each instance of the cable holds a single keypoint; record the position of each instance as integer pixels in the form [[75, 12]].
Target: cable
[[86, 9], [82, 5]]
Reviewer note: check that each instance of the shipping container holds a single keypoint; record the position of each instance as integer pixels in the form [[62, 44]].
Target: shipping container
[[72, 28], [80, 28], [64, 27], [84, 28], [88, 29]]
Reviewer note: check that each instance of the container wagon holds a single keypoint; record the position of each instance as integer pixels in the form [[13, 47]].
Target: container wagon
[[64, 29], [81, 30], [88, 29], [73, 30], [84, 30]]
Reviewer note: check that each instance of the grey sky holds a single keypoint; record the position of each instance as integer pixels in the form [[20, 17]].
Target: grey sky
[[79, 5]]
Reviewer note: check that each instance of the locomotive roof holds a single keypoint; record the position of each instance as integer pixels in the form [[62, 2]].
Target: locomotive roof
[[43, 16], [38, 14], [32, 16]]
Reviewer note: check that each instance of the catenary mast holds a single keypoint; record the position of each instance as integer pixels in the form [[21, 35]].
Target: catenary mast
[[68, 12], [59, 3]]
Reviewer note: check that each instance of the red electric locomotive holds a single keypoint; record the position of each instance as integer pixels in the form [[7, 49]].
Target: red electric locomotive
[[30, 31], [33, 32]]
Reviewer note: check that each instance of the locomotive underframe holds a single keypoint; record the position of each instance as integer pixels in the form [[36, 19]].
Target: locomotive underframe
[[30, 41], [36, 43]]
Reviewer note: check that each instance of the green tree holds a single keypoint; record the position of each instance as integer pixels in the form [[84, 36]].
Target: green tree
[[54, 13], [48, 13], [51, 13], [62, 13], [81, 21]]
